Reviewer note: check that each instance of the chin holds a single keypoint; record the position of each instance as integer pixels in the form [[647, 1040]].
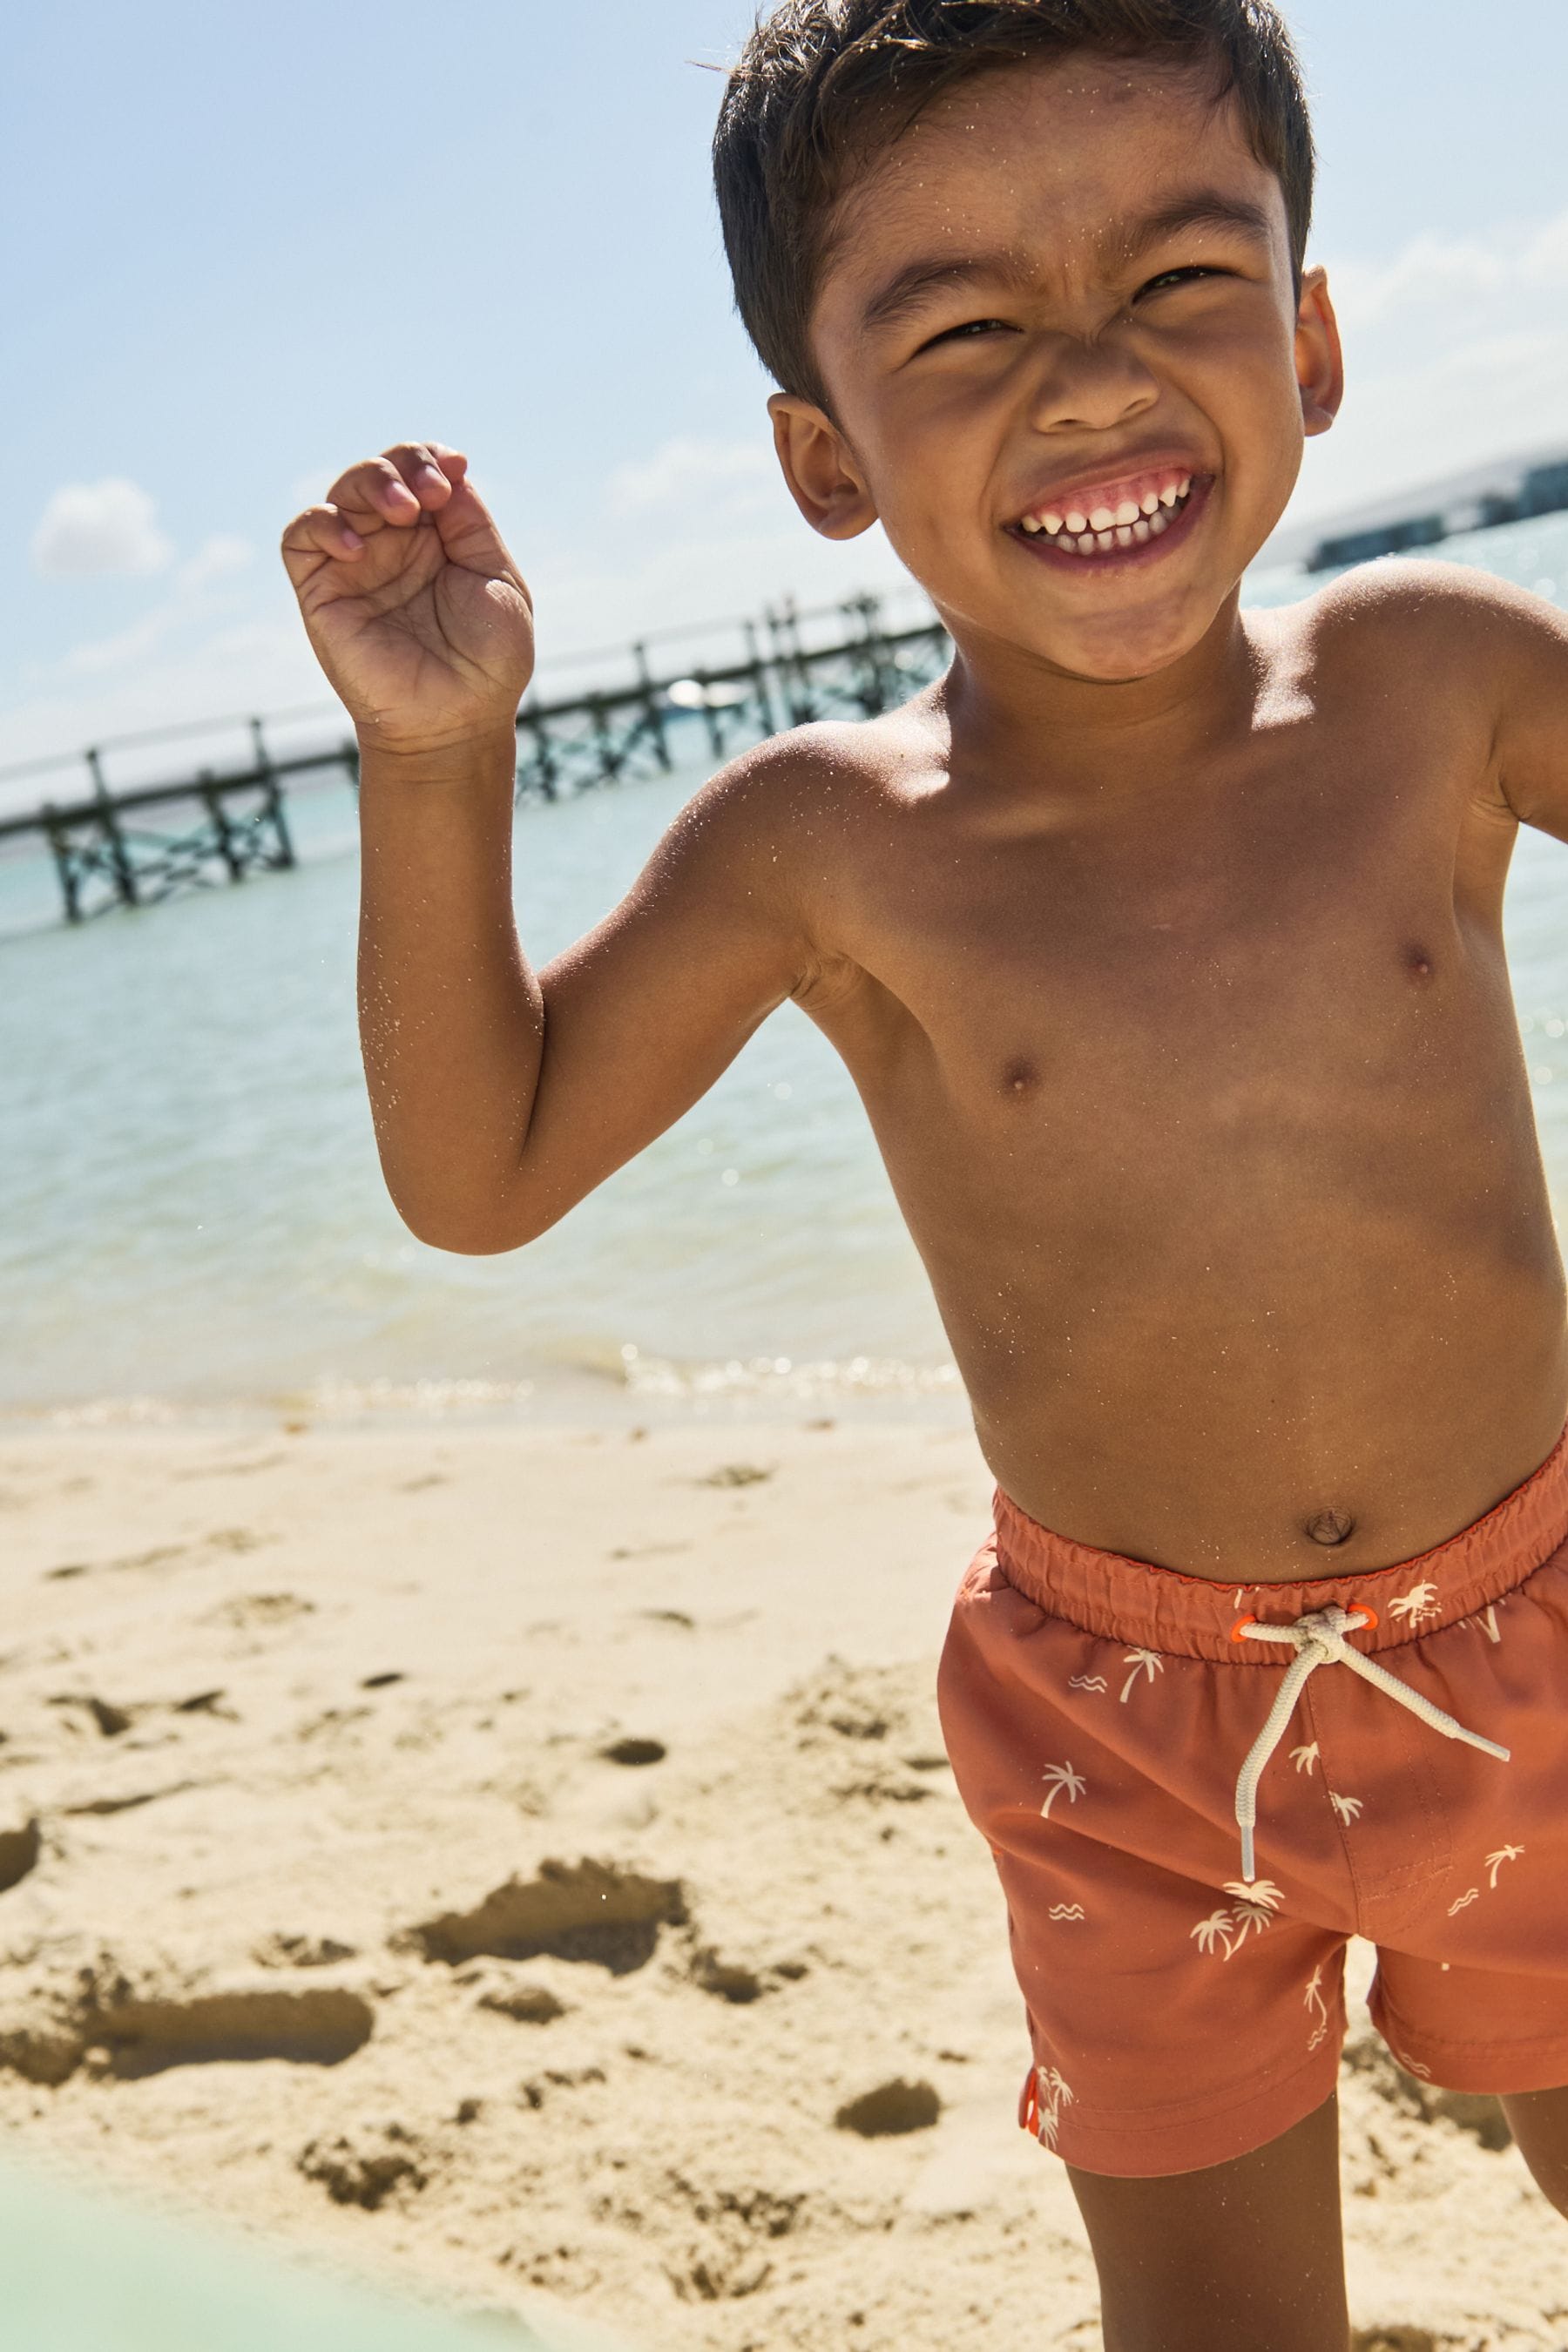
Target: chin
[[1113, 655]]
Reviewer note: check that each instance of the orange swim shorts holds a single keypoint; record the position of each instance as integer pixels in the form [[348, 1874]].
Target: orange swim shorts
[[1113, 1725]]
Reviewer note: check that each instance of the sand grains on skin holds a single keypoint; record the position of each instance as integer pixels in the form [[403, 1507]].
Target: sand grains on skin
[[508, 1891]]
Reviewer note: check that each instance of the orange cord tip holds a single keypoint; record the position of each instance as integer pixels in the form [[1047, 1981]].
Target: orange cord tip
[[1236, 1631]]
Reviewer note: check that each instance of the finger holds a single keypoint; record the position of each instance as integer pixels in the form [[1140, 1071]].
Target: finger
[[420, 469], [321, 531], [374, 493]]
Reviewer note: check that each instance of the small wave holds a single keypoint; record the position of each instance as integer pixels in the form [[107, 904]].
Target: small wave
[[344, 1399], [818, 1380]]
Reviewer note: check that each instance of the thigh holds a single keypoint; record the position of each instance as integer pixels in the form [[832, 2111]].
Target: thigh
[[1244, 2253], [1539, 2122]]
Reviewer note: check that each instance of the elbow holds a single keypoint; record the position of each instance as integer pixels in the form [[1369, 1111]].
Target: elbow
[[465, 1232]]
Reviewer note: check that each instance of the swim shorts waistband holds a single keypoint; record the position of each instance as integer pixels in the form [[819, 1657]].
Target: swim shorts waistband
[[1163, 1609]]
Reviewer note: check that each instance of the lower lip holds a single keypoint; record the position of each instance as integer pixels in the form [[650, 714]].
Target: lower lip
[[1121, 559]]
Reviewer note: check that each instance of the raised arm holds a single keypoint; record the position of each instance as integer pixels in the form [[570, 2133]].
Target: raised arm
[[1532, 733], [501, 1097]]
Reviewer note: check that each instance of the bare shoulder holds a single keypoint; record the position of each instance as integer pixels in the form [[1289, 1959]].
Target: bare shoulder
[[1485, 661], [793, 824], [1450, 621], [780, 803]]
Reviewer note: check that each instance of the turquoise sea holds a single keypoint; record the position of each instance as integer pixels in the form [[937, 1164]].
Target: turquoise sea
[[194, 1220]]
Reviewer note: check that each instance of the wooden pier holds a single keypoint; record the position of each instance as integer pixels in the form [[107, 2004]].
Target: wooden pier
[[134, 847]]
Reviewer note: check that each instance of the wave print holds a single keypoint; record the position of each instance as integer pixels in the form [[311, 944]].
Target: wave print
[[1068, 1911], [1087, 1682], [1463, 1900]]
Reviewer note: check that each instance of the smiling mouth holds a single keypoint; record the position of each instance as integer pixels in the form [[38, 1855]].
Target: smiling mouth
[[1110, 519]]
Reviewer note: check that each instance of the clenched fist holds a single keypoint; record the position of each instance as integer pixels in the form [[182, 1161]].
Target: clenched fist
[[414, 607]]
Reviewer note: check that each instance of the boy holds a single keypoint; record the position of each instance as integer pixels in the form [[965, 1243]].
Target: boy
[[1163, 945]]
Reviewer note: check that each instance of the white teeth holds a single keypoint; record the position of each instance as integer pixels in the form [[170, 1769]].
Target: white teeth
[[1151, 504], [1157, 524], [1125, 534], [1030, 525], [1127, 514], [1142, 531], [1105, 540], [1077, 523], [1186, 485], [1101, 519], [1086, 545], [1169, 495], [1053, 523]]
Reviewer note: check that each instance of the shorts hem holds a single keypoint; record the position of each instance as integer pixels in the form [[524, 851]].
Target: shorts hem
[[1499, 2071], [1209, 2135]]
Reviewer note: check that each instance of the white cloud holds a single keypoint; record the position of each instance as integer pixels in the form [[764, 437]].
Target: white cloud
[[1526, 260], [91, 529], [1457, 353], [214, 559]]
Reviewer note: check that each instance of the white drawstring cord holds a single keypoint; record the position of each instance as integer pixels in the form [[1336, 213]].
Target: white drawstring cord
[[1320, 1637]]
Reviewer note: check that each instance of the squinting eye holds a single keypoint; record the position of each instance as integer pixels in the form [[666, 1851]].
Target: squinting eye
[[1180, 278], [970, 327]]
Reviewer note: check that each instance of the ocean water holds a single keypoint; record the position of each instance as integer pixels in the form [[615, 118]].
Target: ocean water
[[194, 1220]]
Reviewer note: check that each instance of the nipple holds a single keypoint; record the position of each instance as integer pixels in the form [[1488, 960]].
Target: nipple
[[1020, 1077], [1331, 1529], [1418, 963]]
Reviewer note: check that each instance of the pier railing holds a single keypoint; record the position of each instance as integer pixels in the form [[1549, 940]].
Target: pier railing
[[136, 842]]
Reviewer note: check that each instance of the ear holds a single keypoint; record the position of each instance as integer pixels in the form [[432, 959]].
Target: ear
[[825, 481], [1319, 362]]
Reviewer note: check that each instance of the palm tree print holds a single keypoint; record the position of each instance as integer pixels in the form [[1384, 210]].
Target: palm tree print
[[1212, 1930], [1304, 1758], [1347, 1807], [1142, 1661], [1254, 1908], [1504, 1853], [1420, 1602], [1486, 1621], [1052, 2095], [1315, 2000], [1262, 1891], [1062, 1776]]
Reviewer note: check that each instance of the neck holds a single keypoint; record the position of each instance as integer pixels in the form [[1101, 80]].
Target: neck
[[1007, 705]]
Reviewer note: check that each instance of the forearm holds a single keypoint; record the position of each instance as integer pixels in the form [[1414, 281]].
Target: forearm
[[451, 1016]]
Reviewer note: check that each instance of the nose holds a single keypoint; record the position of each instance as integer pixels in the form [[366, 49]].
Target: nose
[[1090, 385]]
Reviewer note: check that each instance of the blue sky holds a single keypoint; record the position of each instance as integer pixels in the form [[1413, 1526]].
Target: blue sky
[[252, 241]]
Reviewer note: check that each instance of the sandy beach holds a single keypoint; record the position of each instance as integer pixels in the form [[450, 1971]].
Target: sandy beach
[[522, 1865]]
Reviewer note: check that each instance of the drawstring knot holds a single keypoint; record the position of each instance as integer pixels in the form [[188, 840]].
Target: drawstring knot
[[1320, 1640]]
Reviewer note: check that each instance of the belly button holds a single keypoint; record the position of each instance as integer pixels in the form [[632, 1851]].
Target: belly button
[[1331, 1529]]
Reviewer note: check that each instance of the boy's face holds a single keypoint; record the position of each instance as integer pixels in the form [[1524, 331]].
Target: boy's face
[[1066, 362]]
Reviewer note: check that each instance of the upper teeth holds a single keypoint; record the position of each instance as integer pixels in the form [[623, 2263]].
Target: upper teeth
[[1132, 521]]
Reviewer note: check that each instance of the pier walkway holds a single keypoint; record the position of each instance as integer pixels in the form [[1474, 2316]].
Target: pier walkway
[[135, 843]]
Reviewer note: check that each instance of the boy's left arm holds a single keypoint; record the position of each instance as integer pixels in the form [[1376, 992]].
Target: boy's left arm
[[1532, 720]]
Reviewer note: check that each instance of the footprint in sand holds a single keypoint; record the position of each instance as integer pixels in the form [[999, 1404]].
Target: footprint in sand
[[589, 1911], [892, 2107], [19, 1852], [281, 1951], [368, 2168], [635, 1751], [252, 1608]]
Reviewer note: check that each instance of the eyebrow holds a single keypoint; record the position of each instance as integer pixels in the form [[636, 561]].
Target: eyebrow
[[908, 288]]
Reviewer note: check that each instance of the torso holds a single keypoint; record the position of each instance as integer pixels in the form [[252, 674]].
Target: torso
[[1203, 1097]]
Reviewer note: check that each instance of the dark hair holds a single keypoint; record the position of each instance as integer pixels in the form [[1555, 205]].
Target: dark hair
[[821, 83]]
